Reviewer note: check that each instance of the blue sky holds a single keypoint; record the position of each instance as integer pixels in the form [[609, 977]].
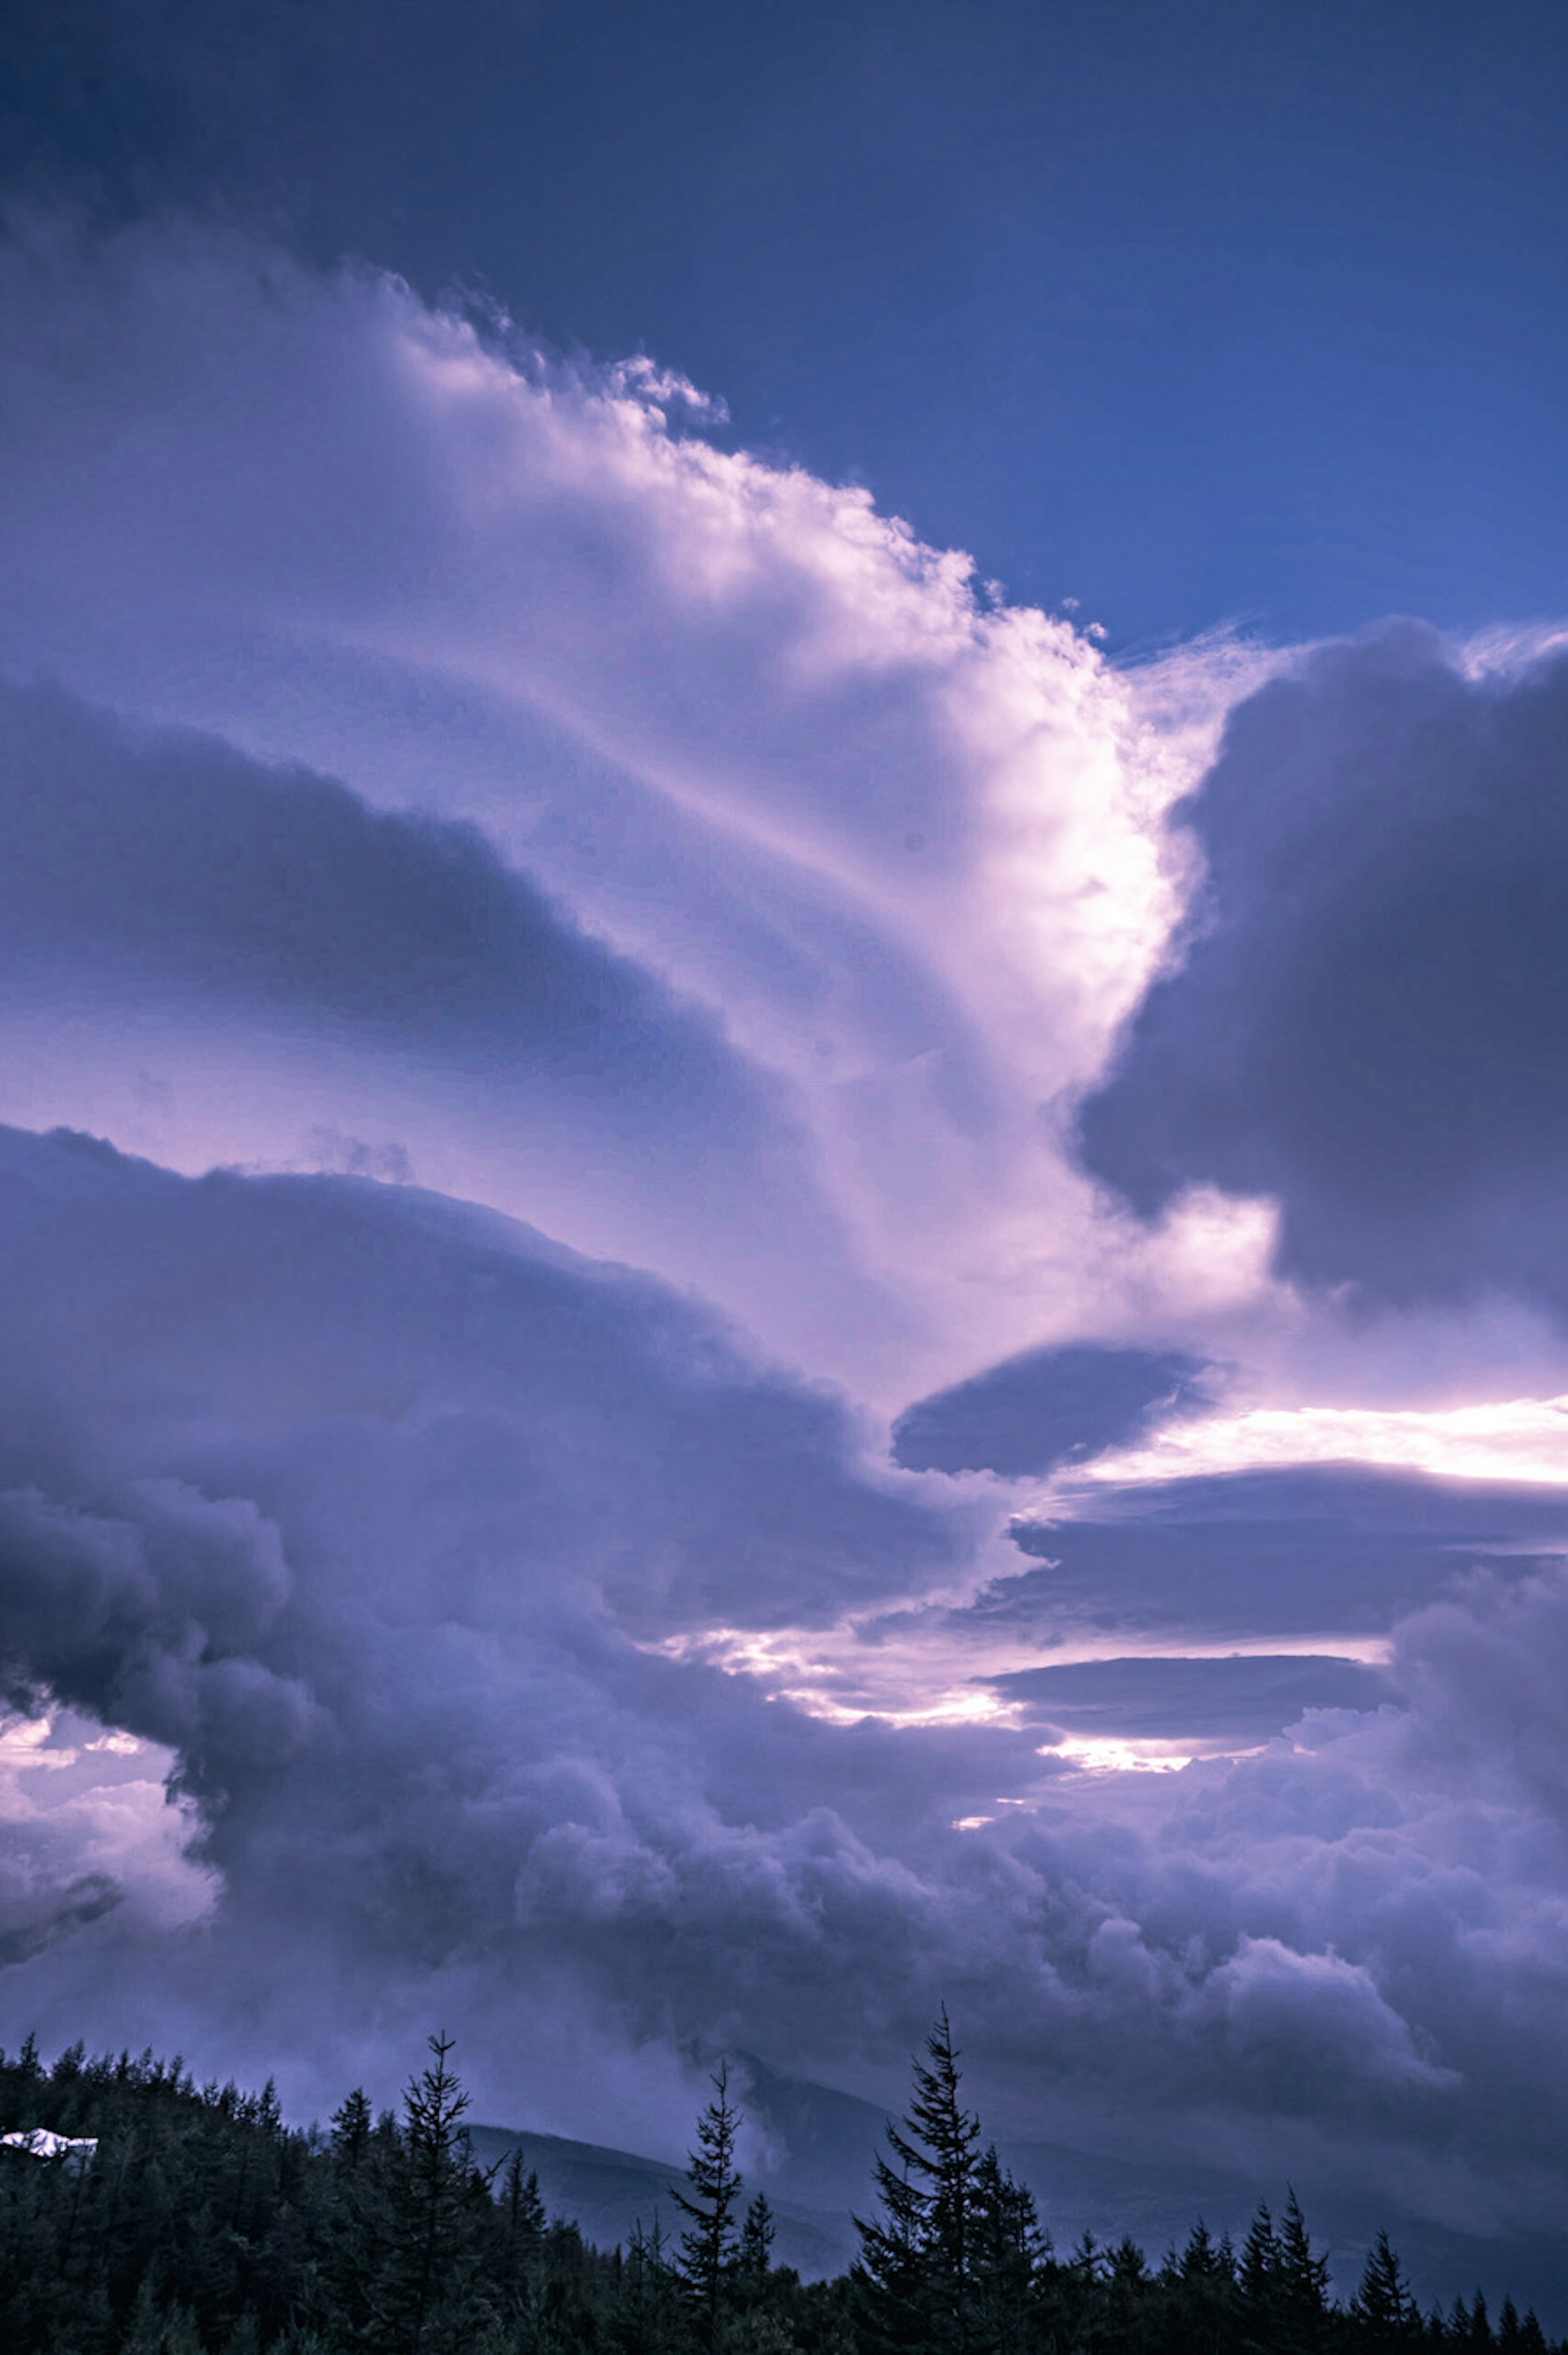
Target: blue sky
[[1221, 313], [744, 1285]]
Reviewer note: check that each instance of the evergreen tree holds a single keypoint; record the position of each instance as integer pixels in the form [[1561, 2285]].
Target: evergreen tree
[[1006, 2258], [757, 2239], [1258, 2273], [352, 2124], [948, 2211], [709, 2249], [1481, 2328], [523, 2211], [425, 2297], [647, 2310], [891, 2275], [1198, 2296], [1382, 2310], [1300, 2315]]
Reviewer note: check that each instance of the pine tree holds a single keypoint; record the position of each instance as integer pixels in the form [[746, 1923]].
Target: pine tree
[[424, 2297], [1007, 2254], [524, 2228], [646, 2316], [1480, 2324], [1199, 2293], [352, 2126], [1383, 2309], [523, 2207], [757, 2239], [1302, 2313], [891, 2278], [917, 2277], [708, 2250], [1259, 2270]]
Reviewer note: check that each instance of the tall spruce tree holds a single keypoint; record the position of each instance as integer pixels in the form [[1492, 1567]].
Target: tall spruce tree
[[1383, 2311], [949, 2266], [425, 2298], [1303, 2320], [1008, 2252], [1200, 2295], [709, 2246]]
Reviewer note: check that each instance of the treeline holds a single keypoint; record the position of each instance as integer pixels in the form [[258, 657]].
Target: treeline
[[202, 2225]]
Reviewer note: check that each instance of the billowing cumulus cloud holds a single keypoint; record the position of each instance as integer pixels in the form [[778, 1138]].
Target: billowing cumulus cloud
[[379, 1512], [1368, 1017]]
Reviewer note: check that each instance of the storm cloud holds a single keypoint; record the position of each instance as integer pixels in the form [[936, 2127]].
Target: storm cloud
[[379, 1513], [426, 762], [1368, 1023]]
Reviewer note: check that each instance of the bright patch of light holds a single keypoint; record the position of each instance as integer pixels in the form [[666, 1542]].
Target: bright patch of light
[[1105, 1755], [81, 1803], [1516, 1439], [846, 1688]]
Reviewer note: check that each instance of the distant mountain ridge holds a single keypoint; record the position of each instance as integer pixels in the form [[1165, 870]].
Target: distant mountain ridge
[[821, 2142], [612, 2194]]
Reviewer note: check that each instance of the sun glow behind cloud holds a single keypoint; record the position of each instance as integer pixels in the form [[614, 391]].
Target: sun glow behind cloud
[[1516, 1439]]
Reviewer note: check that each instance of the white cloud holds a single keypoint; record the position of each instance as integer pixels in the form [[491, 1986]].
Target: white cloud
[[903, 844], [91, 1840]]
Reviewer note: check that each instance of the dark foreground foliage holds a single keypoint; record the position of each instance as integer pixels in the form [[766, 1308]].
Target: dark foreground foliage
[[204, 2225]]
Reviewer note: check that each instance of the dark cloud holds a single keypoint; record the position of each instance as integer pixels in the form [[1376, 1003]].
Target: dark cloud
[[1288, 1551], [1243, 1698], [1036, 1410], [378, 1511], [1370, 1024], [194, 1331], [357, 1500], [208, 956], [168, 864]]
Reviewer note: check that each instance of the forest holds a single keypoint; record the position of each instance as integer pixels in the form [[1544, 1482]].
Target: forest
[[148, 2215]]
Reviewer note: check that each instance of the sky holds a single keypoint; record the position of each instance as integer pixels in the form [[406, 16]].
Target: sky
[[784, 1111]]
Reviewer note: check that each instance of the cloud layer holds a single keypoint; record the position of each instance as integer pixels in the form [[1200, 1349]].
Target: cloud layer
[[727, 922]]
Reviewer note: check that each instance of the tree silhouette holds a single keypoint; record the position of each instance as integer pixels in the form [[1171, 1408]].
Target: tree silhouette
[[425, 2298], [951, 2264], [1383, 2309], [709, 2249]]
